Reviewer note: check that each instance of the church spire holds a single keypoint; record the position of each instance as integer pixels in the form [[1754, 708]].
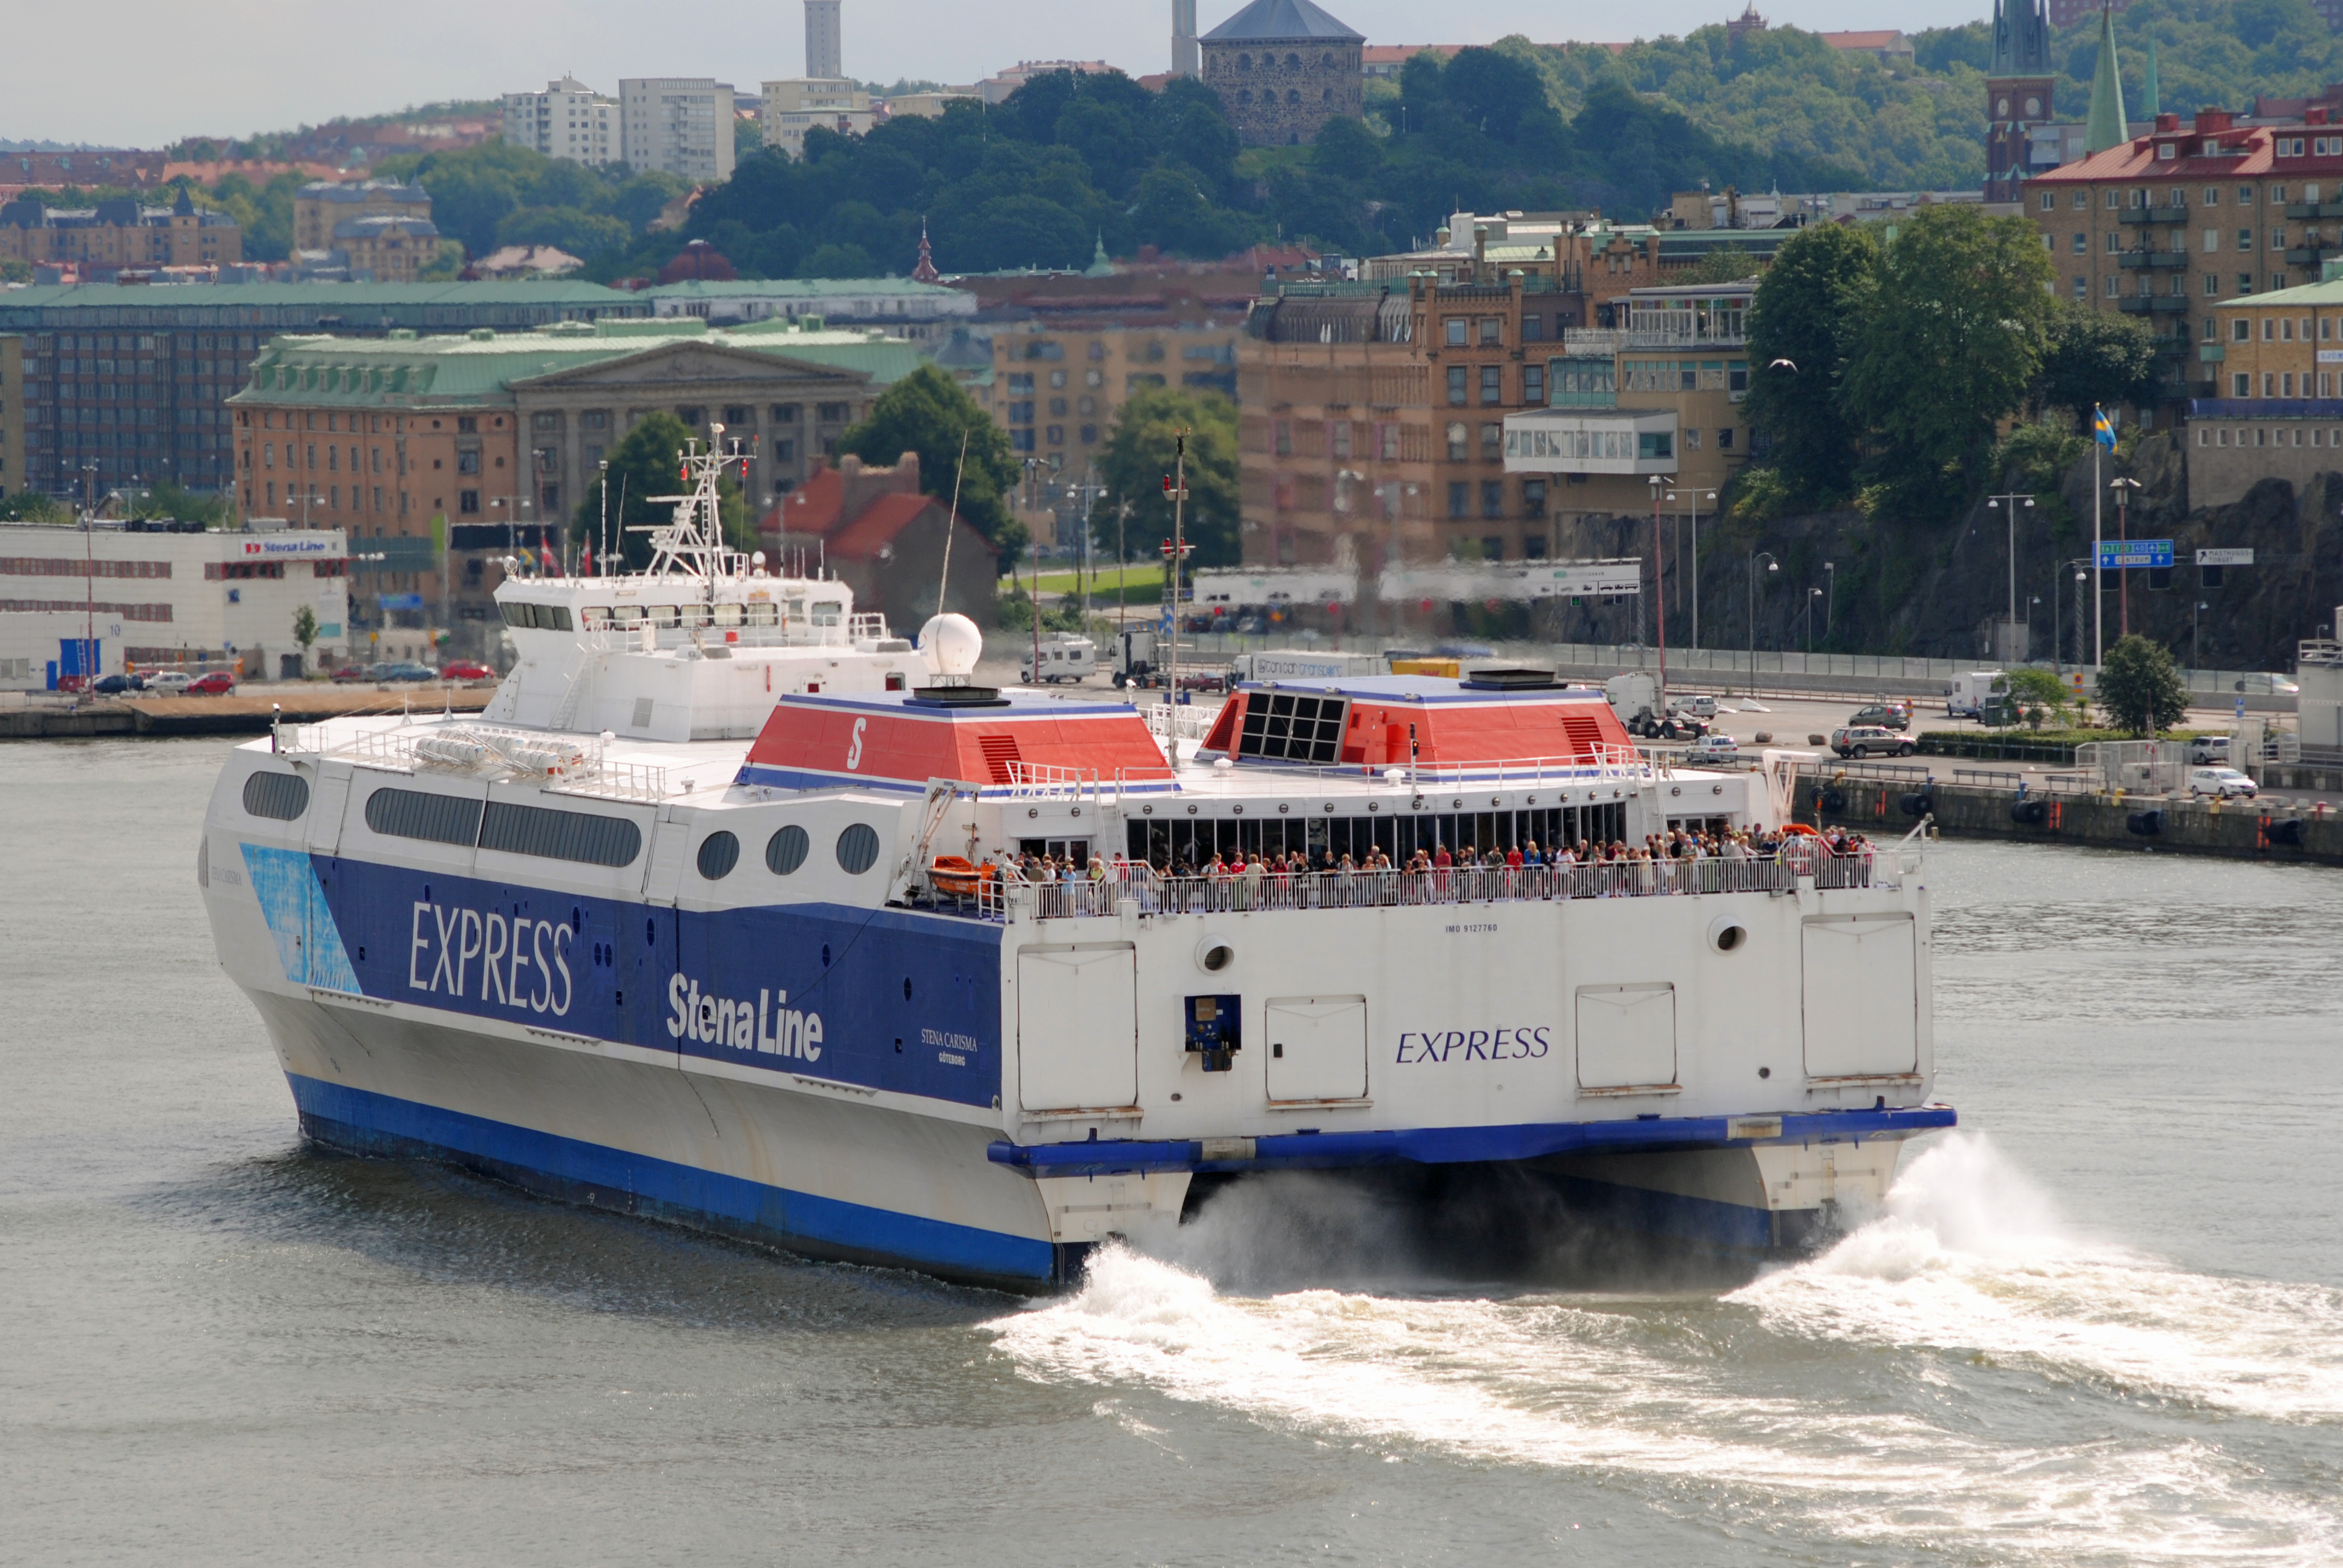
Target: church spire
[[2106, 126], [926, 271], [2150, 105]]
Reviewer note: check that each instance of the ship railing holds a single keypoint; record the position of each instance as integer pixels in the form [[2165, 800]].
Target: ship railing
[[1149, 892], [1179, 721], [1048, 781], [602, 780]]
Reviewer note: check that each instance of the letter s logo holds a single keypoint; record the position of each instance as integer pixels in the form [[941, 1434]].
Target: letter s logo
[[854, 747]]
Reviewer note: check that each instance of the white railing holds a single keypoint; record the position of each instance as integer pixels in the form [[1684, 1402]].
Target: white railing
[[566, 767], [1179, 721], [615, 782], [1047, 781], [1602, 762], [1800, 859]]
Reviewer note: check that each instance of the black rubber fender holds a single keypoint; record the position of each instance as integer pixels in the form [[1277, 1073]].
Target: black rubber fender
[[1919, 804], [1834, 800], [2286, 832], [2032, 814], [2147, 824]]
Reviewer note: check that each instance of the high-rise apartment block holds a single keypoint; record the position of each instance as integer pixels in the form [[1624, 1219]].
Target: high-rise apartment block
[[825, 51], [680, 125], [794, 108], [568, 120]]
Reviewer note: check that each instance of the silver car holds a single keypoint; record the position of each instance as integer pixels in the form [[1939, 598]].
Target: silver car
[[1862, 740]]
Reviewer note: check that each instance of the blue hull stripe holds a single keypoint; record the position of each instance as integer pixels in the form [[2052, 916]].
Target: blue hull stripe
[[1455, 1145], [569, 1168]]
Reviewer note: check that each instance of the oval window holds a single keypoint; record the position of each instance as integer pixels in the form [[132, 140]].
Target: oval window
[[785, 851], [718, 853], [858, 848], [280, 796]]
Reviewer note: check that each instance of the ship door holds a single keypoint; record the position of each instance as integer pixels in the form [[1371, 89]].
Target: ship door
[[1627, 1037], [1317, 1047], [326, 804], [1078, 1027], [671, 847], [1862, 997]]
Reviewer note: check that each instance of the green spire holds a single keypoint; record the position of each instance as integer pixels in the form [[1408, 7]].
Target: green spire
[[2107, 127], [1100, 266], [2151, 105]]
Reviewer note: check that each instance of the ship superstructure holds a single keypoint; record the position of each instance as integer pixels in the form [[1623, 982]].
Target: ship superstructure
[[801, 986]]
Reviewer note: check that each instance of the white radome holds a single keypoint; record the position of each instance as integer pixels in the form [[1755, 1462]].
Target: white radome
[[951, 645]]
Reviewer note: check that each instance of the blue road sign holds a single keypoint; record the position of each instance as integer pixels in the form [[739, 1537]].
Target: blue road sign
[[2116, 554]]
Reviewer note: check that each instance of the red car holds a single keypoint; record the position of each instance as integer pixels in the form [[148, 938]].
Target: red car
[[466, 670], [218, 683]]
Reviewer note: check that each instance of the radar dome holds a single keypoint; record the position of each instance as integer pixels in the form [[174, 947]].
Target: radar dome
[[951, 645]]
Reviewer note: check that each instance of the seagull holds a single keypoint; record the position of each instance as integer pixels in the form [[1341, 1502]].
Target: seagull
[[1783, 364]]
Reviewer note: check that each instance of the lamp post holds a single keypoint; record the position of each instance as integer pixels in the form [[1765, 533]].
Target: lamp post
[[1812, 594], [2124, 488], [2194, 662], [1660, 590], [1772, 565], [2008, 502], [1696, 498], [2081, 565], [1830, 597]]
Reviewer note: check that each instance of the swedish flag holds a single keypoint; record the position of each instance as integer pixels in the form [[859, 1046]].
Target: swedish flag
[[2103, 426]]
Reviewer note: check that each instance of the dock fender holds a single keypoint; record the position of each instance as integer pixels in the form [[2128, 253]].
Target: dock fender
[[2147, 824], [2032, 814], [1920, 803]]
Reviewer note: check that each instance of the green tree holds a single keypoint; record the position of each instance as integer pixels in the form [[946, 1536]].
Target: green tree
[[26, 507], [1950, 342], [170, 499], [305, 630], [928, 412], [2094, 357], [1138, 457], [2041, 696], [2138, 687], [1804, 323], [648, 462]]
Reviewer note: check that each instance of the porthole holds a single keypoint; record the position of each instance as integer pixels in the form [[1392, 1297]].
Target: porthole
[[785, 851], [1213, 955], [1727, 934], [718, 853], [858, 848]]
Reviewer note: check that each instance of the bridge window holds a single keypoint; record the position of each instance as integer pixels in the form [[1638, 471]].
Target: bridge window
[[1286, 726]]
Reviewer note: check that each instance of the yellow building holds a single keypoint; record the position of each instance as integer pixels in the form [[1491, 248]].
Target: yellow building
[[119, 233], [793, 108], [2277, 368], [320, 207]]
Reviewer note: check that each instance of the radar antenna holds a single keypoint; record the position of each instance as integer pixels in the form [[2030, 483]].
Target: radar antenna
[[691, 542]]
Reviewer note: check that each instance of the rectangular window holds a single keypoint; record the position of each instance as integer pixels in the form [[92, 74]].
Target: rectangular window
[[2082, 199], [1725, 439], [2245, 239], [1460, 498], [1456, 386], [2082, 287], [1533, 328], [2286, 384], [2241, 330], [2268, 378], [2278, 239], [2212, 196], [1492, 384], [2082, 243], [1533, 498], [2048, 200], [1492, 502], [2213, 285], [2245, 282], [1532, 384], [467, 502], [1454, 329], [1287, 726], [1284, 438]]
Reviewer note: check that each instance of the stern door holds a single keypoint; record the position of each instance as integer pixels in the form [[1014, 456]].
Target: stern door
[[1078, 1028], [1317, 1047], [1627, 1037], [1862, 997]]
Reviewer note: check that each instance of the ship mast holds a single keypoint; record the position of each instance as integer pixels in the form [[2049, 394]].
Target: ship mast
[[691, 542]]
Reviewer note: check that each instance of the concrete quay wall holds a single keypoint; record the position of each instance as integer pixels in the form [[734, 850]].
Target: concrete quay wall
[[2239, 830]]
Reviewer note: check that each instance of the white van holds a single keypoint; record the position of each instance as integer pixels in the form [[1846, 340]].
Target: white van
[[1063, 657], [1968, 694]]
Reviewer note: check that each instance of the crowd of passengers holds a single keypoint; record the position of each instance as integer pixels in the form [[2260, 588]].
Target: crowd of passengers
[[1673, 845]]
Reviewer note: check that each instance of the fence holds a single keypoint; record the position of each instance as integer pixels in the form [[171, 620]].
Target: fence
[[1154, 894]]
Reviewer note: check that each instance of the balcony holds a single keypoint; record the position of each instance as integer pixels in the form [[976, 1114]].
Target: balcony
[[2314, 211], [2211, 353], [2307, 254], [2157, 304], [2173, 345], [2154, 214], [2153, 260]]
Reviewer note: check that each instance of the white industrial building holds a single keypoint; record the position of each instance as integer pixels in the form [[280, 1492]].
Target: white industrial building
[[39, 648], [187, 599]]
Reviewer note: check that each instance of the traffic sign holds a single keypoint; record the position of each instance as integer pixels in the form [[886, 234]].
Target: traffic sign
[[1185, 549], [2226, 558], [2114, 555]]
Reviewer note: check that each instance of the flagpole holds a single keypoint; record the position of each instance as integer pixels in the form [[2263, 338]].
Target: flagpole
[[2098, 565]]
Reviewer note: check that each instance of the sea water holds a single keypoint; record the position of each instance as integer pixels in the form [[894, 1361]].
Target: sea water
[[2100, 1324]]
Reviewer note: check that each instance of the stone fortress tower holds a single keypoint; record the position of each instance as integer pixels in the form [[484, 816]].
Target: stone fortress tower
[[1283, 68]]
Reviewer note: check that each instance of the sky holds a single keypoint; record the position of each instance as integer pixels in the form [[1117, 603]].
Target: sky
[[234, 67]]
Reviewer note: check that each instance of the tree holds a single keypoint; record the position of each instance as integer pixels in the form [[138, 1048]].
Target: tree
[[1803, 324], [648, 462], [2138, 686], [928, 412], [1950, 342], [1139, 456], [2040, 695], [305, 630], [168, 499], [2096, 359]]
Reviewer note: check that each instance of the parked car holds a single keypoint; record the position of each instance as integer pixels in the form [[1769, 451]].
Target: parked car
[[466, 670], [2225, 782], [1703, 706], [1895, 716], [404, 672], [217, 683], [116, 685], [1713, 749], [169, 682], [2206, 750], [351, 673], [1862, 740]]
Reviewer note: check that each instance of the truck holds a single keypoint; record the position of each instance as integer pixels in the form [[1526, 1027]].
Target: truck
[[1634, 697], [1970, 695], [1301, 664], [1141, 656]]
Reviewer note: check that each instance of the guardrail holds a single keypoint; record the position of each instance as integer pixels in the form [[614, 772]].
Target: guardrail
[[1801, 858]]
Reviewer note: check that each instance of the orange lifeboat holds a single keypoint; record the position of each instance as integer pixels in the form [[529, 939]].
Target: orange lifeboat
[[954, 875]]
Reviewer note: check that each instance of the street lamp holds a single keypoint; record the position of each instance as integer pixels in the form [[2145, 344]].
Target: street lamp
[[2125, 489], [1696, 497], [1659, 587], [2195, 662], [2082, 575], [1995, 503], [1772, 565], [1830, 596]]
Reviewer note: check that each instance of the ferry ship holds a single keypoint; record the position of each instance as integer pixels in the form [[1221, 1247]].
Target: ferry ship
[[717, 914]]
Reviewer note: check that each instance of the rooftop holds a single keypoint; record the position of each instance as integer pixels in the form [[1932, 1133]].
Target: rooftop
[[1281, 20]]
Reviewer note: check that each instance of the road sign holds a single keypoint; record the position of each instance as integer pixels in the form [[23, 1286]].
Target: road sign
[[2230, 558], [1186, 549], [2116, 554], [2241, 706]]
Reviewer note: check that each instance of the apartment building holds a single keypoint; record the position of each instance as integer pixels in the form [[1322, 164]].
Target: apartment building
[[795, 106], [2275, 412], [119, 233], [321, 206], [569, 120], [680, 125], [11, 414], [2171, 226]]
